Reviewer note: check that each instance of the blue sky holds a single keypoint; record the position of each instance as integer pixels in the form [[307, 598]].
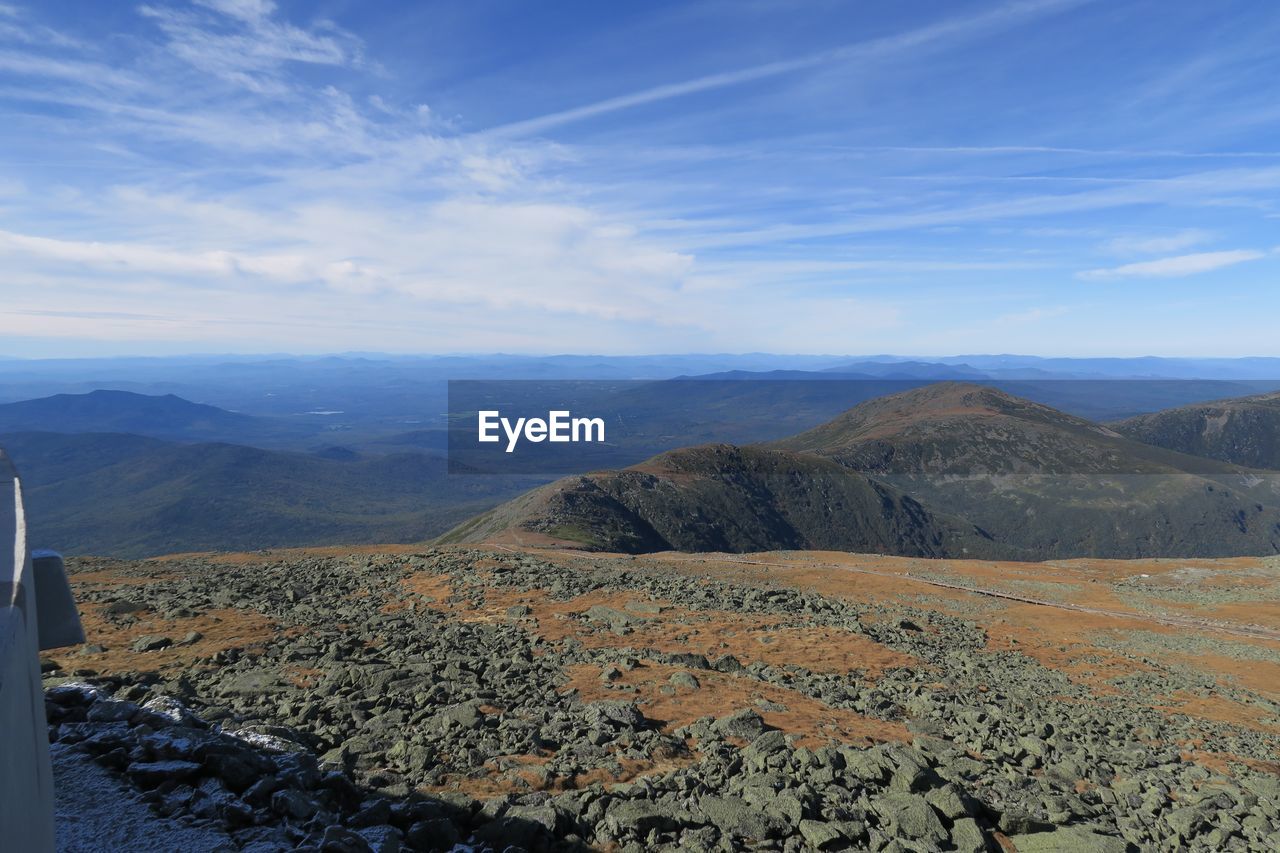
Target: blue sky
[[1053, 177]]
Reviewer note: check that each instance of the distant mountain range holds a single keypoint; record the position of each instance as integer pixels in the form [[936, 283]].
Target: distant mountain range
[[1018, 467], [380, 391], [949, 469], [167, 416], [133, 496], [909, 370]]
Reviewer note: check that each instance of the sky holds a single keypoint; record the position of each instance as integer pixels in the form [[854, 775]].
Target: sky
[[1049, 177]]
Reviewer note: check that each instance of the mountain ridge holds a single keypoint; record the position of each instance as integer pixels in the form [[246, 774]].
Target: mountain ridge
[[1239, 430], [886, 433], [721, 497], [164, 416], [965, 460]]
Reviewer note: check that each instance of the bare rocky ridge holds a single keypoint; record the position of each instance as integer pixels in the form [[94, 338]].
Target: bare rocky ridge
[[950, 469], [1046, 484], [964, 430], [535, 700], [727, 498], [1243, 430]]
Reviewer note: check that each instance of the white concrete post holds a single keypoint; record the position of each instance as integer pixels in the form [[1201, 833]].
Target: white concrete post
[[26, 778]]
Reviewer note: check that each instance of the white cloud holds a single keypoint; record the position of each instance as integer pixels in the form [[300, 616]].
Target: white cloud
[[508, 256], [92, 75], [1135, 244], [1177, 266], [344, 204], [1001, 150], [140, 259], [245, 10], [276, 213], [1031, 316], [18, 28], [1188, 189], [242, 42], [960, 27]]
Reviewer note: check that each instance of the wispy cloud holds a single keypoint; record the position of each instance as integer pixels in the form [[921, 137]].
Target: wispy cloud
[[971, 26], [1134, 244], [91, 75], [1124, 153], [1030, 316], [1177, 266], [228, 173], [243, 42], [136, 258], [1187, 189], [15, 27]]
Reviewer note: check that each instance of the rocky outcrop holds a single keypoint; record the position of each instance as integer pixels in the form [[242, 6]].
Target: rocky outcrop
[[379, 718]]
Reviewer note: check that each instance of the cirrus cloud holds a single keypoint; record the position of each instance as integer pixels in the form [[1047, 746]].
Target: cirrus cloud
[[1176, 266], [1133, 244]]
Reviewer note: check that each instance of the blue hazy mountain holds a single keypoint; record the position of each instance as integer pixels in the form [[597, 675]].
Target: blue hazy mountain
[[129, 495], [159, 416]]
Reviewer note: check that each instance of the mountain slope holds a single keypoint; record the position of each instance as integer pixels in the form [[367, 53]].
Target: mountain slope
[[127, 495], [735, 499], [942, 470], [158, 416], [1243, 430], [1047, 483], [951, 428]]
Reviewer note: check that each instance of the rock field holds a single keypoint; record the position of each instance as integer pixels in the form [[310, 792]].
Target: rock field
[[425, 698]]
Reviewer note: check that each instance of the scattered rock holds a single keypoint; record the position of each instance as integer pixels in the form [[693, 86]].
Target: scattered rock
[[685, 681], [320, 736], [151, 643], [745, 724], [1068, 839]]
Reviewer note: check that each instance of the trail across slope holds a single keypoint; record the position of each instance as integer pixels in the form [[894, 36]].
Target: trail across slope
[[1172, 620]]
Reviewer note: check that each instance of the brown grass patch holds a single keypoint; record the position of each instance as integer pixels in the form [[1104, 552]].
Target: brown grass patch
[[748, 637], [814, 722], [110, 578], [1220, 762], [1056, 641], [304, 677], [1260, 676], [1265, 614], [518, 537], [1059, 639], [220, 631], [422, 589], [517, 774], [246, 558], [1218, 708]]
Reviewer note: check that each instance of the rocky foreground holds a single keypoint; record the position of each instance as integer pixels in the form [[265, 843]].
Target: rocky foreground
[[547, 700]]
